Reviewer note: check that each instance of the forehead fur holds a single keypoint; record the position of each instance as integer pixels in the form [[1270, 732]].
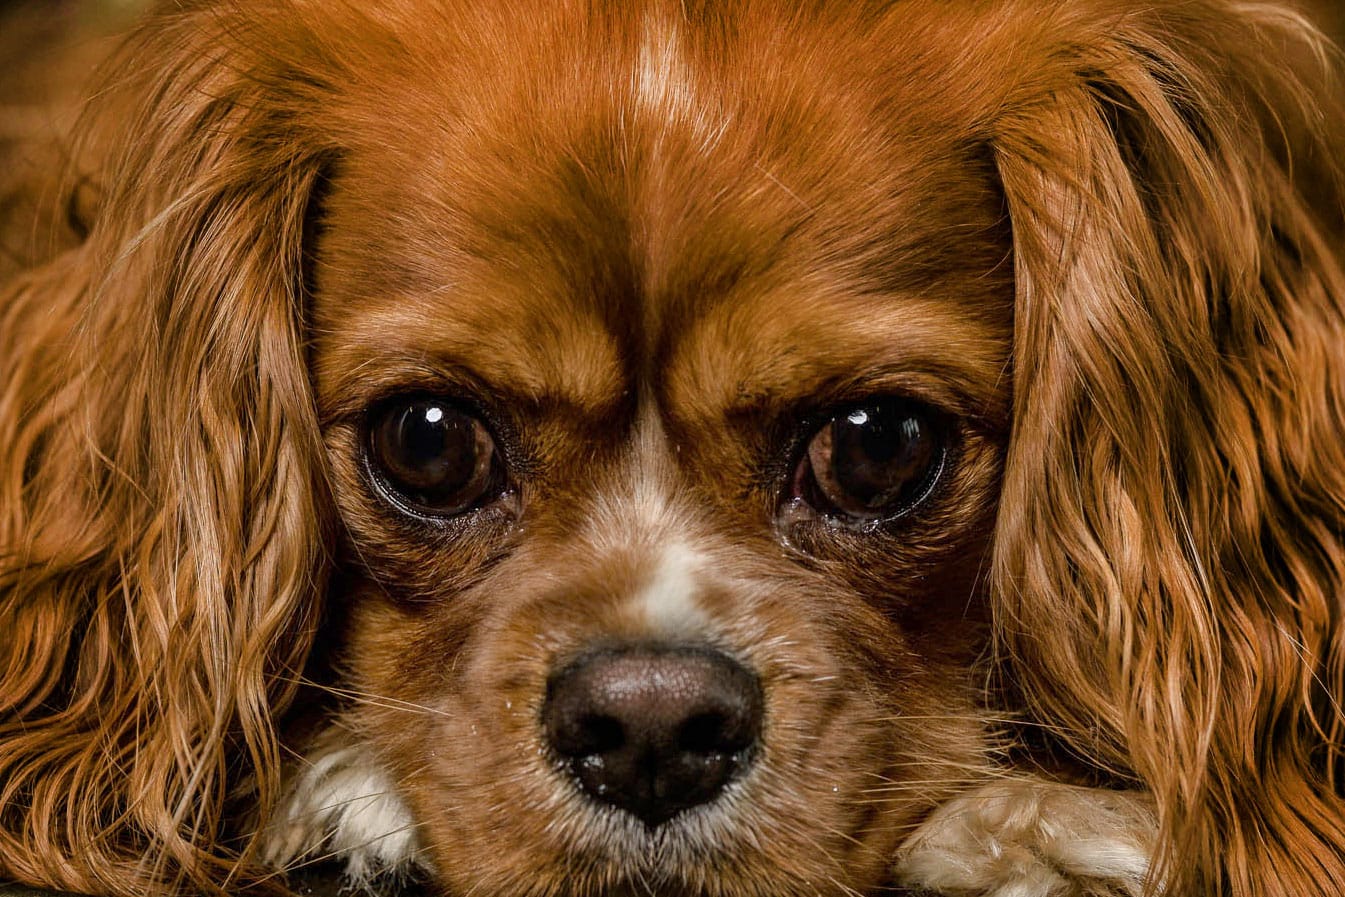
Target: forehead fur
[[588, 183]]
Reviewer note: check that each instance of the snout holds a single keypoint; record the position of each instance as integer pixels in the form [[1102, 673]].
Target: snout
[[654, 731]]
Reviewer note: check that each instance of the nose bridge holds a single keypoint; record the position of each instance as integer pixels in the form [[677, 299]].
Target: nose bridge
[[638, 502], [641, 516]]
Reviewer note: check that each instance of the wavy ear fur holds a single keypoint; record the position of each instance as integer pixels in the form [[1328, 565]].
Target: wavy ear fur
[[161, 512], [1170, 559]]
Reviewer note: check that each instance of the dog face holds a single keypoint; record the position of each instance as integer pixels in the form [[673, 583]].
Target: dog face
[[621, 398], [673, 440]]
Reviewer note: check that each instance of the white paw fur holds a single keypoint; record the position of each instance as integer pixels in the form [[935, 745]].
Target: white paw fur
[[341, 804], [1031, 838]]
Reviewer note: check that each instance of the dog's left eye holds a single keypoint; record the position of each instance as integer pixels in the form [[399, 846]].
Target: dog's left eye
[[872, 462], [438, 460]]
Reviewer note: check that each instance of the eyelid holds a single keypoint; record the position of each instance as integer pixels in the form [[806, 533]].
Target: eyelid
[[812, 419], [344, 398], [448, 522], [985, 409], [504, 428], [459, 387]]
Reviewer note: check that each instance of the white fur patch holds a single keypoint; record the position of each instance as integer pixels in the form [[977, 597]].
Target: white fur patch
[[661, 81], [638, 516], [1027, 838], [341, 804], [637, 510], [664, 86], [668, 601]]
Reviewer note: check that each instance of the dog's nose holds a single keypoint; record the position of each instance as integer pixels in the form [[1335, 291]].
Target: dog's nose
[[654, 731]]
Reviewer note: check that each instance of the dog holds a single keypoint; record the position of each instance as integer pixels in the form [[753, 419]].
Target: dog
[[728, 449]]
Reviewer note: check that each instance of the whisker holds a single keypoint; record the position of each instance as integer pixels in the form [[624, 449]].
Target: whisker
[[366, 698], [302, 862]]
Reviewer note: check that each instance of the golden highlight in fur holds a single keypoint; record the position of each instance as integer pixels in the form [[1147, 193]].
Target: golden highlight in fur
[[1105, 236]]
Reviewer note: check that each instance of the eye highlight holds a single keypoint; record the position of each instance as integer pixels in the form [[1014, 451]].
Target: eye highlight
[[436, 459], [872, 462]]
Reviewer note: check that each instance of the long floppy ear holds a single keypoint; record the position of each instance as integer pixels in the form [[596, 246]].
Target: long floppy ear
[[162, 511], [1170, 559]]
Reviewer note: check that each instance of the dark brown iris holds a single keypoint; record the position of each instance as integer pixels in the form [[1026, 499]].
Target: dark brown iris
[[438, 459], [872, 462]]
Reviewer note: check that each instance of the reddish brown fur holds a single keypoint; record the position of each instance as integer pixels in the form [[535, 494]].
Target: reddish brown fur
[[311, 205]]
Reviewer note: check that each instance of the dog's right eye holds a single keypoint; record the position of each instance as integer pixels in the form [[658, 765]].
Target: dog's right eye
[[436, 459]]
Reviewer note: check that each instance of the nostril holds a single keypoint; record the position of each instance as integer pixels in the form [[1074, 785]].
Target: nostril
[[707, 733], [594, 734]]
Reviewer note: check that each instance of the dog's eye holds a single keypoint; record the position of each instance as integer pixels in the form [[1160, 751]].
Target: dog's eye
[[438, 460], [872, 462]]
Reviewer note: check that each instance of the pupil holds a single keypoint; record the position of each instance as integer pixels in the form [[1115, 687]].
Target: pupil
[[431, 450], [879, 440], [879, 457]]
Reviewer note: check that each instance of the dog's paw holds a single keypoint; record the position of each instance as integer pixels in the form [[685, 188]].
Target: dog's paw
[[340, 805], [1031, 838]]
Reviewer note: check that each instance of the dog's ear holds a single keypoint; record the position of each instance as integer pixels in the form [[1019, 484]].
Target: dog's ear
[[162, 506], [1170, 558]]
